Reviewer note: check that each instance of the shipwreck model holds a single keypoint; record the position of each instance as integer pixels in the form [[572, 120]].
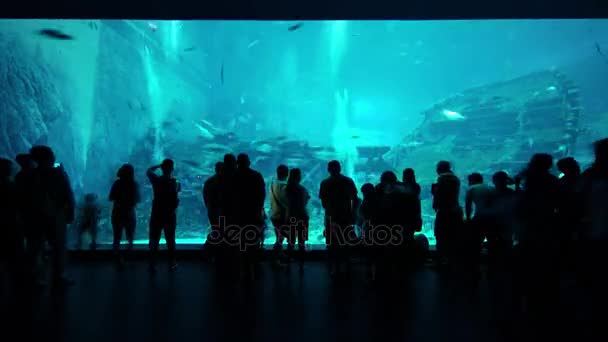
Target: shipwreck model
[[494, 127]]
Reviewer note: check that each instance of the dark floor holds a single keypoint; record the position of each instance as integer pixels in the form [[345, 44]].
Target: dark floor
[[192, 304]]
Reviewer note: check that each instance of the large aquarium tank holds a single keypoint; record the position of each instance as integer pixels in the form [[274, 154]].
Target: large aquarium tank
[[375, 95]]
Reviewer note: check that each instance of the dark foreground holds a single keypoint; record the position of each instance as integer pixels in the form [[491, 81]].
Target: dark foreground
[[193, 304]]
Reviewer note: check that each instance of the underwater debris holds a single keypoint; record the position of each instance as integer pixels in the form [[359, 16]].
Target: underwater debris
[[295, 27], [192, 48], [253, 43], [551, 88], [55, 34]]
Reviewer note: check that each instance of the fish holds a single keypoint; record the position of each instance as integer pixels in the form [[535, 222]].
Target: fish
[[451, 115], [55, 34], [152, 27], [551, 88], [355, 137], [222, 73], [264, 148], [412, 144], [204, 132], [168, 124], [242, 99], [191, 163], [295, 27], [192, 48], [598, 48], [217, 148], [93, 25], [253, 43]]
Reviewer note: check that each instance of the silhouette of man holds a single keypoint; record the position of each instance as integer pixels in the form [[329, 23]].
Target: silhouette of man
[[34, 236], [368, 212], [250, 208], [593, 191], [504, 205], [569, 208], [278, 208], [11, 236], [480, 197], [448, 219], [54, 206], [337, 194], [125, 196], [212, 200], [163, 218], [537, 238]]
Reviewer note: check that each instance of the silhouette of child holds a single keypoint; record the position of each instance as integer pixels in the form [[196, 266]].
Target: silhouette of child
[[89, 219]]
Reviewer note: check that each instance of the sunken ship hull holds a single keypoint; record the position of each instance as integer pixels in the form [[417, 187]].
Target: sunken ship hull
[[495, 127]]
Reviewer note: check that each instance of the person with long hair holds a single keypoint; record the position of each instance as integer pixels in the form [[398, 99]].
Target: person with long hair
[[125, 196]]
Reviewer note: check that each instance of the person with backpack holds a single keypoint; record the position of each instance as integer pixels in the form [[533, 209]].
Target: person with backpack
[[164, 205], [53, 209]]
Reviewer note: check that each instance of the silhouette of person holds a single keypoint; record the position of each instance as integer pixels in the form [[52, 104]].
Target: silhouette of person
[[297, 199], [228, 209], [212, 200], [89, 219], [125, 196], [163, 218], [479, 197], [448, 218], [250, 212], [569, 208], [537, 239], [368, 212], [25, 187], [593, 235], [503, 207], [54, 207], [409, 180], [389, 218], [11, 237], [337, 194], [278, 209]]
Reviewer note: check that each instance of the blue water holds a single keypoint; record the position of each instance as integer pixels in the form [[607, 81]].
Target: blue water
[[139, 91]]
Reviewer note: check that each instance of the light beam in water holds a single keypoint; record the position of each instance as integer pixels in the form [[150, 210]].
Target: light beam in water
[[345, 147], [157, 114], [337, 45]]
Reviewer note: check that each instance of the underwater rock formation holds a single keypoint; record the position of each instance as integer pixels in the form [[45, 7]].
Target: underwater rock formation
[[30, 102]]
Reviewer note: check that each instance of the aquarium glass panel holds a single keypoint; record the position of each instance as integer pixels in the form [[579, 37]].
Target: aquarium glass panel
[[375, 95]]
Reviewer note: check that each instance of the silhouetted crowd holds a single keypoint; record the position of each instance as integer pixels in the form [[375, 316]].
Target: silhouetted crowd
[[534, 224]]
